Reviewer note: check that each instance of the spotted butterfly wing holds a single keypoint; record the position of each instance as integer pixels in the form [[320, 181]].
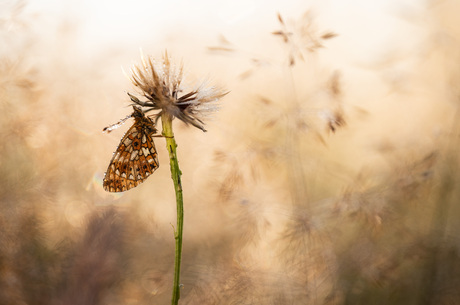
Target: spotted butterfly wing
[[135, 158]]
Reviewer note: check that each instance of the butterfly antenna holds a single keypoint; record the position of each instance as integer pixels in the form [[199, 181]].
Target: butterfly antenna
[[108, 129]]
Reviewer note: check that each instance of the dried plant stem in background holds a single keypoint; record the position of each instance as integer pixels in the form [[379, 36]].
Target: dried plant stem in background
[[175, 175]]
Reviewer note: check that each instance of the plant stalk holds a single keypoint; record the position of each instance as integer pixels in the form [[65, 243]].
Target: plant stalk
[[175, 175]]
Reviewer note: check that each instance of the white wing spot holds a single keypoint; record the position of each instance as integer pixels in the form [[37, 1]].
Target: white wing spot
[[134, 155], [127, 141]]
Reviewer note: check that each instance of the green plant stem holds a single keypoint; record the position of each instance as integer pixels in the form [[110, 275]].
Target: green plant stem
[[175, 175]]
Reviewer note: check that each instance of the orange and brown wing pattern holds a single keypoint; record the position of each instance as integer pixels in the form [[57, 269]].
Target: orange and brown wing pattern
[[135, 158]]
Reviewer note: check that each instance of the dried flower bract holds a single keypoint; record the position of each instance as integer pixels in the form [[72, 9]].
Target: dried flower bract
[[161, 85]]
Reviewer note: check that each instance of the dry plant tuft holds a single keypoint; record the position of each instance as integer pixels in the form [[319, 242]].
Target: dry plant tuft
[[97, 262], [161, 85], [301, 37]]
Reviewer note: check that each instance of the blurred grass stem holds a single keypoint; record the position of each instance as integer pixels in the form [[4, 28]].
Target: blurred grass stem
[[298, 181], [175, 175]]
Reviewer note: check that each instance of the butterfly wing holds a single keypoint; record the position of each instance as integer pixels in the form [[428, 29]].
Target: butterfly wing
[[135, 158]]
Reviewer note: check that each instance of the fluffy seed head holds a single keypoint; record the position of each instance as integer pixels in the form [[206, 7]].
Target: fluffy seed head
[[160, 84]]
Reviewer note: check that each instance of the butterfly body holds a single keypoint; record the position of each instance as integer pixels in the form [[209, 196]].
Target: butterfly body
[[136, 157]]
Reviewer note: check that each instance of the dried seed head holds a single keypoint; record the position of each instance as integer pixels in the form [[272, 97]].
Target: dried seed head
[[160, 83]]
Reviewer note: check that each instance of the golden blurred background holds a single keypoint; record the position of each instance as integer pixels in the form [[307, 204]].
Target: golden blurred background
[[328, 176]]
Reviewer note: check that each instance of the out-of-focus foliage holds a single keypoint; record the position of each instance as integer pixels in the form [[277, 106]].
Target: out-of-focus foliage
[[320, 181]]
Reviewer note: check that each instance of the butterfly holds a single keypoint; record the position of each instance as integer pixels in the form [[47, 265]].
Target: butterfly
[[136, 157]]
